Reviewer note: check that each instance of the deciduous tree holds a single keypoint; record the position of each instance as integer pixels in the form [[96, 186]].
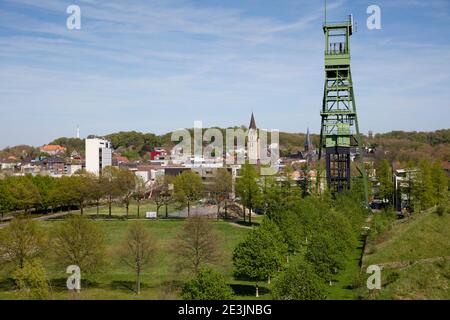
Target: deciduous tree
[[21, 240], [137, 250], [207, 285], [79, 241], [197, 244], [188, 187], [261, 254]]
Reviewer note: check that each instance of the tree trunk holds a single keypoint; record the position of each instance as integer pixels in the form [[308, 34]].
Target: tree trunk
[[218, 211], [126, 206], [189, 208], [244, 212], [226, 212], [81, 208], [257, 290], [138, 208], [138, 282], [109, 205], [268, 280], [167, 212], [250, 215], [98, 207]]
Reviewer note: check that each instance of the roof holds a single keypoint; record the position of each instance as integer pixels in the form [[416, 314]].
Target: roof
[[52, 147], [252, 123]]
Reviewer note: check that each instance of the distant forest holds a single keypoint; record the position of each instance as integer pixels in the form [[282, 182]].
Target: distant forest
[[401, 146]]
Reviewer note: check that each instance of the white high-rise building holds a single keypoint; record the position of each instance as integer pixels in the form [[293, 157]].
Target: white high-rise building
[[98, 155], [253, 142]]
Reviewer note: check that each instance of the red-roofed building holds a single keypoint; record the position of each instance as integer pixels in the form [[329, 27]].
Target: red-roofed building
[[53, 149]]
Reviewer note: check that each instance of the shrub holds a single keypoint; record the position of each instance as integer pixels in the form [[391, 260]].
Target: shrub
[[207, 285]]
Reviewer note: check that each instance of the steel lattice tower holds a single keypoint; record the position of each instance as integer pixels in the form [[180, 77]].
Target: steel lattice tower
[[339, 132]]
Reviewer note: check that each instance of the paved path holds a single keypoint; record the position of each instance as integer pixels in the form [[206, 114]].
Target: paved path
[[44, 217]]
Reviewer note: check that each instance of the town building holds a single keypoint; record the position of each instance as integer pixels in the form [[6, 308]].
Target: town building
[[98, 155], [53, 149]]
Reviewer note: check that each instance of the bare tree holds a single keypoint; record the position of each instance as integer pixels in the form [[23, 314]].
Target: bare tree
[[137, 250], [197, 244], [79, 241]]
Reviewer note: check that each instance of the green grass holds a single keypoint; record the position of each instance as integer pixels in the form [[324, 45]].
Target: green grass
[[160, 280], [402, 250], [343, 283], [424, 236]]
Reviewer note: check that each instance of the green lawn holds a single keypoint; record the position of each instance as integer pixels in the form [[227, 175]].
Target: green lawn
[[343, 283], [160, 281], [424, 236], [413, 253]]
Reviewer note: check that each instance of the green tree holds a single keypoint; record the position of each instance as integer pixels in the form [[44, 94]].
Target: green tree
[[137, 250], [423, 192], [261, 253], [188, 188], [24, 194], [65, 193], [329, 248], [440, 183], [79, 241], [96, 190], [110, 185], [31, 281], [140, 192], [126, 181], [5, 197], [82, 187], [207, 285], [220, 188], [298, 282], [22, 240], [45, 186], [247, 188], [384, 178], [197, 244]]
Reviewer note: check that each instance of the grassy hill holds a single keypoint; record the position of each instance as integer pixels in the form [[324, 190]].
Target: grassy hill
[[415, 258]]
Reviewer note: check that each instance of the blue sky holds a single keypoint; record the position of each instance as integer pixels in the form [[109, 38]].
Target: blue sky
[[155, 66]]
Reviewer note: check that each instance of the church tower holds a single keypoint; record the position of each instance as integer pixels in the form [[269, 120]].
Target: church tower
[[252, 142]]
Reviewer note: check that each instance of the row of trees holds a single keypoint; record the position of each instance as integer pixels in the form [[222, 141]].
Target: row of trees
[[47, 194], [427, 184], [302, 242], [44, 193], [80, 241]]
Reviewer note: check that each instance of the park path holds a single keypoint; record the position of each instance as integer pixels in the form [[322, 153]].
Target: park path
[[44, 217], [405, 264]]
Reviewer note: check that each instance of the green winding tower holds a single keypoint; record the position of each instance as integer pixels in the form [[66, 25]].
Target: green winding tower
[[339, 132]]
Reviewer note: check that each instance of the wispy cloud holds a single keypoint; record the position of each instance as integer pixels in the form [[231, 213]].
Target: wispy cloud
[[160, 65]]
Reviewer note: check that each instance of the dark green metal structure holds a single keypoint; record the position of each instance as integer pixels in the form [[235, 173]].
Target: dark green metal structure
[[339, 133]]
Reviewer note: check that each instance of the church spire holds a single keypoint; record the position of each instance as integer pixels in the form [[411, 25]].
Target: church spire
[[252, 123], [308, 143]]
